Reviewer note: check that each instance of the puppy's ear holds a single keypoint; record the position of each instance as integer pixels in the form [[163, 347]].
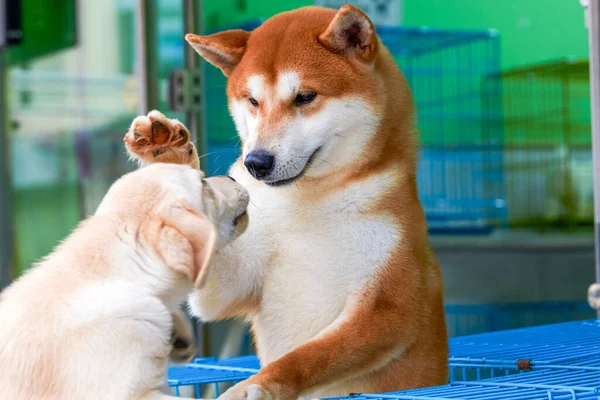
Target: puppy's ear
[[224, 50], [185, 225], [352, 33]]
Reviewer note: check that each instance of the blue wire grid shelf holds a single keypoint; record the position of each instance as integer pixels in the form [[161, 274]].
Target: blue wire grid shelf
[[204, 371], [506, 352], [581, 380], [560, 362]]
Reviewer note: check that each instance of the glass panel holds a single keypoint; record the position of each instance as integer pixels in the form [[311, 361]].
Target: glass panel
[[69, 111]]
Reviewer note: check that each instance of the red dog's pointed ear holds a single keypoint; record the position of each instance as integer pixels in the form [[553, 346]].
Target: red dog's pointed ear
[[223, 50], [351, 32]]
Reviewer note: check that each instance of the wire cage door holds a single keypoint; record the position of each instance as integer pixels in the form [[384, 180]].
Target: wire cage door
[[547, 144]]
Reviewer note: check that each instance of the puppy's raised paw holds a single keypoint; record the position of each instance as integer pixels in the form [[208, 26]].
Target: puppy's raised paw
[[183, 345], [155, 138]]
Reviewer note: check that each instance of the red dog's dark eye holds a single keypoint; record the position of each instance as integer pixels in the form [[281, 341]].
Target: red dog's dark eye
[[253, 101], [305, 98]]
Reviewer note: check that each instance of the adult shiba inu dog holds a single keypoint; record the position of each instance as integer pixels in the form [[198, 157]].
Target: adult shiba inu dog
[[335, 272]]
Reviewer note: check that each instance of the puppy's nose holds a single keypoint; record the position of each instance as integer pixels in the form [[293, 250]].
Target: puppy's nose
[[259, 163]]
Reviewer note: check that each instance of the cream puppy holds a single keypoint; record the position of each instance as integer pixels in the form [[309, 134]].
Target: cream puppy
[[98, 318]]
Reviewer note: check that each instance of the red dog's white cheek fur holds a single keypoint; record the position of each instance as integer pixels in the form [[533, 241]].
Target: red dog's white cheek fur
[[340, 129]]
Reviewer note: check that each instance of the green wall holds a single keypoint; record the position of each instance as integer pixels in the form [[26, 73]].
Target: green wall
[[44, 215], [219, 13], [532, 30]]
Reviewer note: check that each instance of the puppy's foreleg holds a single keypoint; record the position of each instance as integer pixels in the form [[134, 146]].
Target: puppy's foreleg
[[183, 348]]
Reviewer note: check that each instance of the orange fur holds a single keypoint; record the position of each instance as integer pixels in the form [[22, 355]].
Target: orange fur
[[393, 335]]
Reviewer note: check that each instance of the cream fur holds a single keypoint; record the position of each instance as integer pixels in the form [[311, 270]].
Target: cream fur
[[97, 317]]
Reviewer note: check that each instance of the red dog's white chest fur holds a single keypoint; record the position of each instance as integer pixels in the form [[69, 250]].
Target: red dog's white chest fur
[[317, 258]]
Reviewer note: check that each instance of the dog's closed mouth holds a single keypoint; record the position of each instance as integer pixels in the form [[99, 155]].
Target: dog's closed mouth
[[283, 182], [236, 220]]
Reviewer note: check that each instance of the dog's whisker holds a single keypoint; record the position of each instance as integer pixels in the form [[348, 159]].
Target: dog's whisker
[[325, 161], [296, 165], [239, 140], [207, 154], [318, 159], [254, 204]]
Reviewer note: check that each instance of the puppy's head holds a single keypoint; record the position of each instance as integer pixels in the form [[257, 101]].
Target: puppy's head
[[304, 90], [181, 215]]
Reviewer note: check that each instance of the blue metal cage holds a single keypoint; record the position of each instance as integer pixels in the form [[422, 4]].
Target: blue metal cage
[[560, 361], [470, 319], [460, 173]]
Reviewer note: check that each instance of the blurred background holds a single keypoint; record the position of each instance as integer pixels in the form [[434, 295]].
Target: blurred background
[[502, 91]]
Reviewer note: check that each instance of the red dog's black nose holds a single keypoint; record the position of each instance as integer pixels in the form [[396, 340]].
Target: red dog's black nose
[[259, 163]]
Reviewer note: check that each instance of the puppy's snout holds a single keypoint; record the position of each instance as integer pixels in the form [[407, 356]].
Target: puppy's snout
[[235, 194]]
